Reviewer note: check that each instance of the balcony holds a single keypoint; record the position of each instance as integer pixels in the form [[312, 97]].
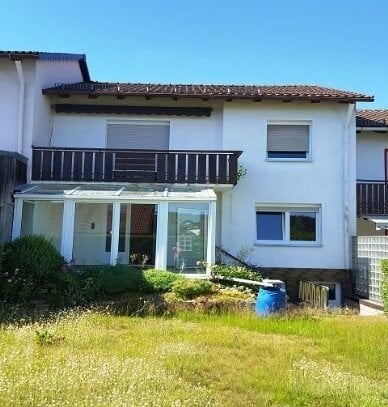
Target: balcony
[[138, 166], [372, 197]]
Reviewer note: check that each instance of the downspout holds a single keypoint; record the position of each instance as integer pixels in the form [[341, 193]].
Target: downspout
[[346, 183], [22, 86]]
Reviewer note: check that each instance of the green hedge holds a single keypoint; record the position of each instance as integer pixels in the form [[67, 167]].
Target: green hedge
[[31, 270], [384, 283]]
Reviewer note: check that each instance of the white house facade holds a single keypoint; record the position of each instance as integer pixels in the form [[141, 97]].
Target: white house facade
[[166, 173], [372, 172]]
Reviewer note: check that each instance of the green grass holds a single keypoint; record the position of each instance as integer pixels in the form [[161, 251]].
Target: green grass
[[194, 359]]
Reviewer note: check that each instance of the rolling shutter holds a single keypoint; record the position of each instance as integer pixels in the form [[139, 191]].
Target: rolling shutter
[[288, 138], [138, 135]]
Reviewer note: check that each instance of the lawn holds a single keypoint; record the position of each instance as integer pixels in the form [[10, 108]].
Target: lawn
[[194, 359]]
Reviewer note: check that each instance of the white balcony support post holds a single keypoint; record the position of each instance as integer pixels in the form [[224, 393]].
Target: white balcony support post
[[211, 237], [67, 240], [161, 236], [114, 247], [17, 218]]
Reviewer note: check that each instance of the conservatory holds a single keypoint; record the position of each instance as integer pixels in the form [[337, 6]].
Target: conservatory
[[166, 227]]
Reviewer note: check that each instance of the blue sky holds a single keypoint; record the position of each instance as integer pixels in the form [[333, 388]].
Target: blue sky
[[342, 43]]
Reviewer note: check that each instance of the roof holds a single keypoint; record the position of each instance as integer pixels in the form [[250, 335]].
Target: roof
[[311, 93], [377, 118], [49, 56]]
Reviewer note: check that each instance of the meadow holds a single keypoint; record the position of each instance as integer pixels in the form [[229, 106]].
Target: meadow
[[91, 358]]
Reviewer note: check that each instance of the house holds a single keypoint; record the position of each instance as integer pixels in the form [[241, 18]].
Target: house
[[127, 172], [372, 172]]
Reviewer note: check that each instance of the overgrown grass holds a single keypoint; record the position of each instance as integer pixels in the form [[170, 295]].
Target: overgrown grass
[[195, 359]]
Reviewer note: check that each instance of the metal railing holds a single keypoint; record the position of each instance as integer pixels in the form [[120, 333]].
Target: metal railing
[[159, 166], [372, 197]]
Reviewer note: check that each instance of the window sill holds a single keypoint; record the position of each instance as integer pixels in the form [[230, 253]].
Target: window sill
[[287, 244], [293, 160]]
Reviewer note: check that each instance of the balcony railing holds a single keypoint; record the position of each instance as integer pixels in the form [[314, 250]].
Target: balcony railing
[[106, 165], [372, 197]]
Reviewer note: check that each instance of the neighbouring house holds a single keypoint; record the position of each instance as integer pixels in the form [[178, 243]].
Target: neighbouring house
[[128, 172], [372, 172]]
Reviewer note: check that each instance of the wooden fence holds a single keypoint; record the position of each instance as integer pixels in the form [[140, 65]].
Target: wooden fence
[[314, 294]]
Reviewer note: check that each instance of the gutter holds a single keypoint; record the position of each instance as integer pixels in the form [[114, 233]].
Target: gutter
[[22, 87], [346, 184]]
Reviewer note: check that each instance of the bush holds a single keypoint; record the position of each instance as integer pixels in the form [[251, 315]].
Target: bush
[[113, 280], [384, 283], [236, 272], [159, 281], [32, 269], [188, 289]]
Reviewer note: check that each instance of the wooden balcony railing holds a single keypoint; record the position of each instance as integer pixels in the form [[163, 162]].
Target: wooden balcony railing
[[106, 165], [372, 197]]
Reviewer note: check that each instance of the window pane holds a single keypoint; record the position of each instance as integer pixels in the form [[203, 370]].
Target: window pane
[[90, 227], [43, 218], [303, 226], [187, 236], [269, 225], [287, 154]]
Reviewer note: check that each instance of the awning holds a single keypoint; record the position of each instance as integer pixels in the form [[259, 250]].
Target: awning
[[381, 222], [114, 192]]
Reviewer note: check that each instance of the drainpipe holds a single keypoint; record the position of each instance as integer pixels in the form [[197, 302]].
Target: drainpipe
[[346, 182], [22, 86]]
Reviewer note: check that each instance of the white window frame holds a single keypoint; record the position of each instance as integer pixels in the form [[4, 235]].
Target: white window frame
[[286, 211], [291, 123]]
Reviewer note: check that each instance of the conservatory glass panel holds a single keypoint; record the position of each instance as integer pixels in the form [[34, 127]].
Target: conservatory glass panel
[[187, 236], [90, 232], [43, 218]]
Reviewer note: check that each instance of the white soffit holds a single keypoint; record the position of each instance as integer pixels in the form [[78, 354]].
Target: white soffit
[[118, 192]]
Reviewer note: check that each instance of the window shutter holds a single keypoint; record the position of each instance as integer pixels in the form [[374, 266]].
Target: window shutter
[[290, 138], [138, 135]]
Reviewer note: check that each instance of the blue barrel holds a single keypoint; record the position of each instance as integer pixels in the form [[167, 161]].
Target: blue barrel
[[270, 300]]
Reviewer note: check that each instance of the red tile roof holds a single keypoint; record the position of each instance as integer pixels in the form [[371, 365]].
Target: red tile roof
[[282, 92], [372, 118]]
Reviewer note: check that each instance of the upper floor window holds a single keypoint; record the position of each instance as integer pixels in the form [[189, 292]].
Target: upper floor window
[[290, 141], [138, 134]]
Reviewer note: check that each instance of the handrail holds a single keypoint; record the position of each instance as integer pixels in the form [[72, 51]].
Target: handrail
[[136, 150], [236, 259]]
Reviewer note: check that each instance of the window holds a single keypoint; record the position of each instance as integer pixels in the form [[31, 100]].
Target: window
[[138, 134], [288, 141], [290, 226]]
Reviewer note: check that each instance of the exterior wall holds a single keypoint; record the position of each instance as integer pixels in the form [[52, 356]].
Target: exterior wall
[[12, 174], [292, 276], [89, 131], [367, 228], [320, 181], [370, 155]]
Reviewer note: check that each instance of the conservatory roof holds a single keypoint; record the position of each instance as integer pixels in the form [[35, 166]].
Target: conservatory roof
[[119, 192]]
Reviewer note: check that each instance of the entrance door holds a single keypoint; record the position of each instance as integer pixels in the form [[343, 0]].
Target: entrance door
[[142, 233]]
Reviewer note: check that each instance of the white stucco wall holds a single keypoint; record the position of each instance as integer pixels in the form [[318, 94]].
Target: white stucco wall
[[83, 130], [319, 182], [370, 155]]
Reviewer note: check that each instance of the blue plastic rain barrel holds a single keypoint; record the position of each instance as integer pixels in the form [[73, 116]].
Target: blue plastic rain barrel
[[270, 300]]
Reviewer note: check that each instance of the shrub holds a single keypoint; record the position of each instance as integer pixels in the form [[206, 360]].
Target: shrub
[[188, 289], [31, 270], [236, 272], [384, 283], [159, 281], [112, 280]]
